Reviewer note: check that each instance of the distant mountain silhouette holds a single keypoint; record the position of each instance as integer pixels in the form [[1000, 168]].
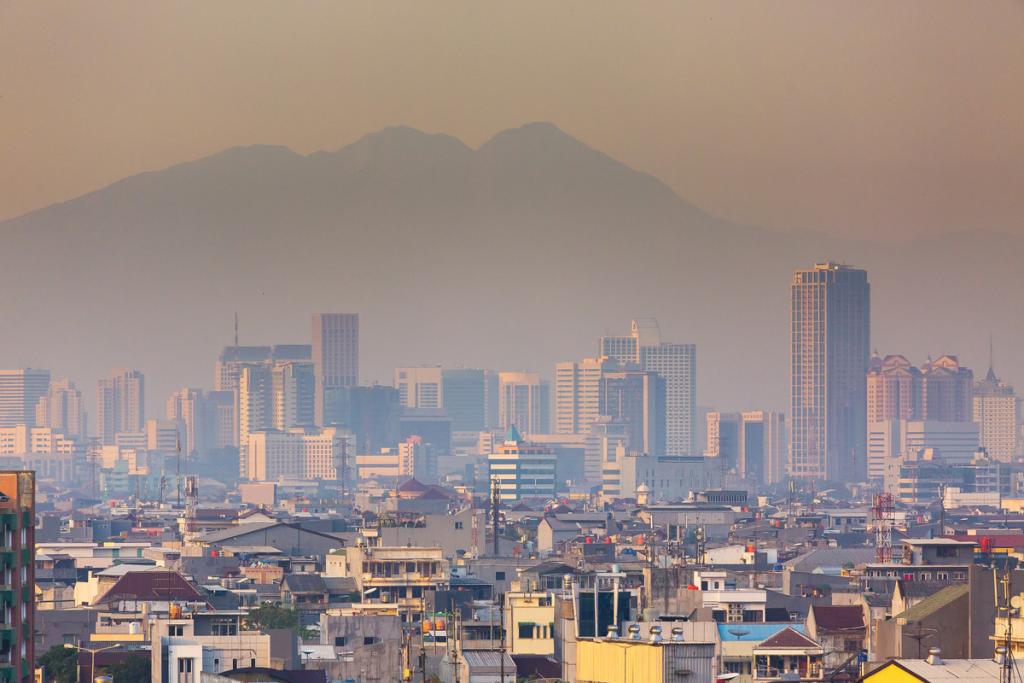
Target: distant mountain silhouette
[[515, 255]]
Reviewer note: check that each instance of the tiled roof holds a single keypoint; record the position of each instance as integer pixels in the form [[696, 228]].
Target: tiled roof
[[838, 617], [304, 583], [152, 585], [788, 637]]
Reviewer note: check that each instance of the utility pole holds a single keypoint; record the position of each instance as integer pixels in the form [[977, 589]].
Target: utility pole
[[501, 651], [495, 508]]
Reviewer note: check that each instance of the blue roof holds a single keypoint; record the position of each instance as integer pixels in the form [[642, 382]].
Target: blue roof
[[755, 632]]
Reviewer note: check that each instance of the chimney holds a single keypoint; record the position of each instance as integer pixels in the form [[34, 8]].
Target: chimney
[[656, 634], [934, 657], [613, 632], [634, 631], [677, 634]]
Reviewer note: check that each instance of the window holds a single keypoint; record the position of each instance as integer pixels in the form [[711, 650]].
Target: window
[[370, 640], [526, 630], [499, 576], [339, 641], [458, 525], [176, 630]]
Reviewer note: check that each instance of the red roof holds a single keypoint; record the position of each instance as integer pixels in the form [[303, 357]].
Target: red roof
[[153, 586], [997, 540], [788, 637], [838, 617]]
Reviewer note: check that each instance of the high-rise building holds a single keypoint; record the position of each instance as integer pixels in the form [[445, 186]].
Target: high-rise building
[[752, 442], [299, 453], [20, 391], [523, 402], [578, 394], [463, 393], [17, 526], [521, 469], [637, 399], [233, 358], [946, 390], [677, 364], [371, 414], [189, 408], [255, 408], [997, 414], [120, 404], [955, 443], [62, 409], [894, 389], [335, 356], [830, 326], [294, 394]]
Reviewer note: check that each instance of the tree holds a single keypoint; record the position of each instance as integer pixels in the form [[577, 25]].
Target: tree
[[267, 617], [131, 669], [60, 664]]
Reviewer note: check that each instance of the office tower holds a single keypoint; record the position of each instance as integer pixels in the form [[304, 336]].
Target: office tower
[[371, 414], [294, 394], [636, 399], [577, 394], [62, 409], [829, 354], [223, 406], [677, 364], [521, 469], [120, 404], [233, 358], [894, 389], [523, 402], [997, 414], [190, 410], [723, 439], [20, 391], [752, 442], [431, 424], [464, 398], [420, 387], [17, 509], [946, 390], [464, 393], [255, 407], [163, 436], [954, 443], [335, 356], [299, 453], [417, 460]]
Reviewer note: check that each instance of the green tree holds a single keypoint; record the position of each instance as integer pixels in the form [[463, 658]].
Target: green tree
[[60, 664], [131, 669], [267, 617]]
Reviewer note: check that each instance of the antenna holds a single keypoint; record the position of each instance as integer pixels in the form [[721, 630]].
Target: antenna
[[236, 328]]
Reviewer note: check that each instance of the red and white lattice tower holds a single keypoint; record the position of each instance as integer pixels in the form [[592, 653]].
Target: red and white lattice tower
[[883, 517]]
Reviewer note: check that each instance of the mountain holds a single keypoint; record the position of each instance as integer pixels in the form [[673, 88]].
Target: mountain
[[515, 255]]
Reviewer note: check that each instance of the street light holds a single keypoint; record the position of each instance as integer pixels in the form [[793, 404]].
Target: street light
[[92, 652]]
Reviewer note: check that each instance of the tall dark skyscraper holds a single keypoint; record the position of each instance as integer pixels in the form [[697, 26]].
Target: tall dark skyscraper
[[335, 356], [830, 325]]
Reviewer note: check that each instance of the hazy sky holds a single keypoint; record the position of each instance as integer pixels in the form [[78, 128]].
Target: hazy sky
[[872, 118]]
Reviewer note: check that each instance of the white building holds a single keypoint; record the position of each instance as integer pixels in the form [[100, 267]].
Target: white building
[[956, 442], [120, 404], [521, 469], [298, 453], [997, 414]]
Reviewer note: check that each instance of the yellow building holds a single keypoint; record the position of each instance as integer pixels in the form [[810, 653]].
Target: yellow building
[[631, 660], [531, 623], [934, 669]]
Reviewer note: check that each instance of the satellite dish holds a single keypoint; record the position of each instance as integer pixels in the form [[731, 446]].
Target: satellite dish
[[1016, 602]]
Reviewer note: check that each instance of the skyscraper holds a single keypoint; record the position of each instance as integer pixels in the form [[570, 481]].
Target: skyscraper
[[463, 393], [62, 409], [120, 404], [335, 356], [753, 442], [20, 391], [294, 394], [523, 402], [997, 412], [578, 394], [677, 365], [946, 388], [829, 354]]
